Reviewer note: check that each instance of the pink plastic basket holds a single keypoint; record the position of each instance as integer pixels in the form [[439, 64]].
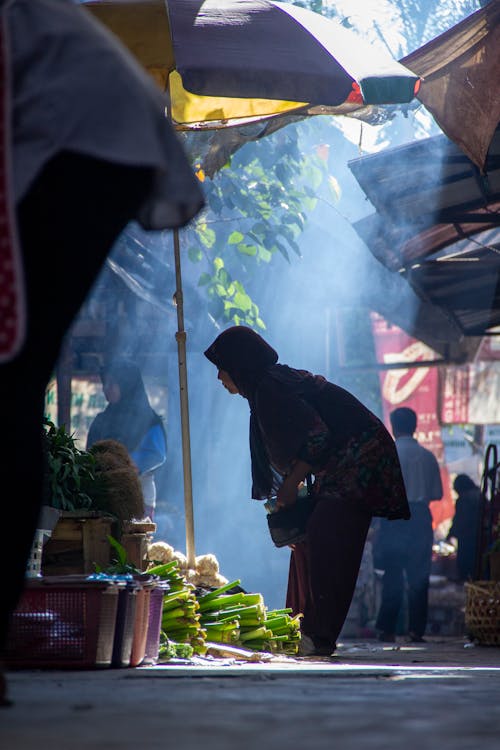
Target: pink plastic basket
[[146, 585], [154, 627]]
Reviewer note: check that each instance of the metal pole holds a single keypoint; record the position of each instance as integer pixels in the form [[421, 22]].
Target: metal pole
[[184, 403]]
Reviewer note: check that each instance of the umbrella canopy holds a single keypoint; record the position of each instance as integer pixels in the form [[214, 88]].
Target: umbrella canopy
[[228, 61]]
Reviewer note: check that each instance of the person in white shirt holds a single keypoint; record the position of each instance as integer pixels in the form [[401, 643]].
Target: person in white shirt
[[405, 547]]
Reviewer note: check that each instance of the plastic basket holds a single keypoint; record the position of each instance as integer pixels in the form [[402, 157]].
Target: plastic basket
[[34, 564], [141, 623], [482, 612], [154, 626], [125, 624], [60, 624]]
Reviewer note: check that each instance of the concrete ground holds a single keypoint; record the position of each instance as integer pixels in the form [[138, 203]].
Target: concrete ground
[[440, 695]]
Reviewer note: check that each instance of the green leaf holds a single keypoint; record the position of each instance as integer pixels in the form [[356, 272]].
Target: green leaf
[[264, 254], [195, 254], [242, 301], [235, 238], [204, 279], [223, 277], [247, 249], [206, 235], [283, 250], [120, 550]]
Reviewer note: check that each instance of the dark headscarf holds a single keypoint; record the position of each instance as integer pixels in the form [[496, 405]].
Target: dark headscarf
[[244, 355], [463, 483], [131, 417]]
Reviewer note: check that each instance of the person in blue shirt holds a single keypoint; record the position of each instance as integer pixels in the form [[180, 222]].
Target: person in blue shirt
[[130, 419]]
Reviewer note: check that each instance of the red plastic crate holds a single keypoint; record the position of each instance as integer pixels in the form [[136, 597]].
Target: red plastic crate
[[63, 622]]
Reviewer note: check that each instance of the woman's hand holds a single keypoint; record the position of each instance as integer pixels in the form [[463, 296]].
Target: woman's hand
[[287, 493]]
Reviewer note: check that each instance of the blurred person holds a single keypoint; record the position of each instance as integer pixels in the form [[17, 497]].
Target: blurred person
[[300, 425], [405, 549], [465, 524], [130, 419], [85, 149]]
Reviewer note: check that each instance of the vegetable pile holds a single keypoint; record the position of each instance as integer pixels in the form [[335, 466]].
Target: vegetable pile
[[195, 618], [180, 624], [243, 619]]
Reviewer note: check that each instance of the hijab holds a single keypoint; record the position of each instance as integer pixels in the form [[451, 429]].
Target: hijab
[[248, 359], [130, 418], [244, 355]]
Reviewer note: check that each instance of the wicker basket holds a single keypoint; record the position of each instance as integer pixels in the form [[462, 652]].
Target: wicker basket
[[482, 612]]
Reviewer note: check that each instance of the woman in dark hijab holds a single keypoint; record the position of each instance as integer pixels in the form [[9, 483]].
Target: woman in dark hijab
[[130, 419], [465, 524], [300, 425]]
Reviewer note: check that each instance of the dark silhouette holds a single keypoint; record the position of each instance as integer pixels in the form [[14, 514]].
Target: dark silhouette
[[464, 527], [300, 425], [91, 150], [130, 419]]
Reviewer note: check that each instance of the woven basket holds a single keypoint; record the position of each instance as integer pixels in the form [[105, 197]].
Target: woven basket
[[482, 612]]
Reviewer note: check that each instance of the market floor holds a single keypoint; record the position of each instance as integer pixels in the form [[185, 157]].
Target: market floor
[[443, 695]]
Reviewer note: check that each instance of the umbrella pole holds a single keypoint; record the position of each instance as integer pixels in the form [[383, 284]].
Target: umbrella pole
[[184, 401]]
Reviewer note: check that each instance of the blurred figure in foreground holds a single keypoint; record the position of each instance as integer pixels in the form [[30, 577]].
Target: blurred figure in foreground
[[465, 524], [405, 549], [300, 425], [130, 419], [85, 149]]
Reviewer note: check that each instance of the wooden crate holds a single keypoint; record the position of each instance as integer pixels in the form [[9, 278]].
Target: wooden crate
[[135, 538], [78, 541]]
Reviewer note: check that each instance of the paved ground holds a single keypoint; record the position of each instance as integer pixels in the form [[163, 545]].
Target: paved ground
[[442, 695]]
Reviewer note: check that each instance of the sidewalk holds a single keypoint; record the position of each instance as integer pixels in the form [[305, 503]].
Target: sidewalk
[[442, 695]]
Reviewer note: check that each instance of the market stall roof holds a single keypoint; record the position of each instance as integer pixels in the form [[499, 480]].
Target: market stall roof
[[460, 71], [437, 223]]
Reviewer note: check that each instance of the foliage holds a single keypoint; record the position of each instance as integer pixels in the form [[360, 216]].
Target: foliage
[[256, 210], [120, 564], [70, 470], [259, 203]]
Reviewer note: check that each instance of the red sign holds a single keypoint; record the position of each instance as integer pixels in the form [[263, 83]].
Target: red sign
[[455, 395], [416, 387]]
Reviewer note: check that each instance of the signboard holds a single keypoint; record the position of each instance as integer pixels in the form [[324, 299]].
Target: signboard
[[471, 394], [418, 389]]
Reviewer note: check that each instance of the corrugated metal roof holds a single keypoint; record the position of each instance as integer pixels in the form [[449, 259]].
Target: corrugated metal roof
[[437, 223]]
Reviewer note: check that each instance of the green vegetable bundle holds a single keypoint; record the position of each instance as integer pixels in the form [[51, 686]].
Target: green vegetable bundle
[[239, 619], [180, 622], [243, 619]]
